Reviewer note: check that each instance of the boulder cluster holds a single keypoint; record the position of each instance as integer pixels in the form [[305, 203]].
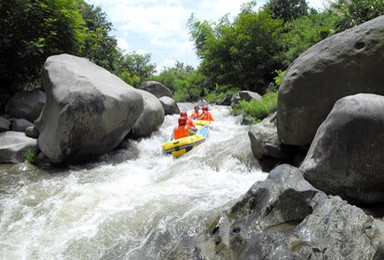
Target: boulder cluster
[[324, 197], [85, 111]]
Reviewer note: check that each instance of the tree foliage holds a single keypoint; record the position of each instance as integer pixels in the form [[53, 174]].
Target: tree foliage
[[135, 68], [288, 10], [33, 30], [185, 82], [355, 12], [242, 53]]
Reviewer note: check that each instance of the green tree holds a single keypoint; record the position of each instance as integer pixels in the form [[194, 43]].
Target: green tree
[[244, 53], [98, 45], [32, 30], [302, 33], [288, 10], [185, 82], [355, 12], [135, 68]]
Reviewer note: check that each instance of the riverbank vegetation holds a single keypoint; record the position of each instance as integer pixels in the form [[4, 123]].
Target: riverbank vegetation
[[245, 53]]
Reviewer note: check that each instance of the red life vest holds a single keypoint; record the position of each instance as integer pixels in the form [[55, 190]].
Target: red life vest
[[195, 115], [180, 132], [207, 116], [190, 124]]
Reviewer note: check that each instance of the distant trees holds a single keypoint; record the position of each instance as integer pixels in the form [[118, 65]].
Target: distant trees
[[244, 53], [355, 12], [185, 82], [288, 10], [247, 52], [32, 30]]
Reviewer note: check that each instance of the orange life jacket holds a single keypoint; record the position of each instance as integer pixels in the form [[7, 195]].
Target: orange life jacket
[[207, 116], [190, 124], [195, 115], [180, 132]]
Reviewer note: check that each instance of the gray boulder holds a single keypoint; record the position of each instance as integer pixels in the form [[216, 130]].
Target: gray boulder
[[31, 131], [346, 155], [150, 119], [226, 101], [285, 217], [170, 106], [14, 146], [5, 124], [264, 139], [88, 111], [27, 104], [347, 63], [245, 95], [156, 88], [19, 125]]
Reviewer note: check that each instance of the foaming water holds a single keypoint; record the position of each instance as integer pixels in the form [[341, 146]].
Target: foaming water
[[131, 204]]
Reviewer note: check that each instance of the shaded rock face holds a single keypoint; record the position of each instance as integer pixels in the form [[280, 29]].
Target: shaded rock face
[[245, 95], [169, 105], [268, 149], [347, 63], [264, 140], [88, 110], [14, 146], [226, 101], [19, 125], [156, 88], [150, 119], [5, 124], [346, 157], [285, 217], [27, 105], [31, 131]]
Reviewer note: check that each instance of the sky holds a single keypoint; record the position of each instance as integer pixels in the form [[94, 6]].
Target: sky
[[159, 27]]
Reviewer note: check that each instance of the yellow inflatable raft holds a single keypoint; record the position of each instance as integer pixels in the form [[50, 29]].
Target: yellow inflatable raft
[[201, 122], [183, 145]]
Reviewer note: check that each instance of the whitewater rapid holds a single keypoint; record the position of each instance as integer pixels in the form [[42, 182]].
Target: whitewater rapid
[[131, 204]]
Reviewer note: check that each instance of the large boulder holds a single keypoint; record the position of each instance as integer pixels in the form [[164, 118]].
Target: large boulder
[[170, 106], [226, 101], [150, 119], [347, 63], [26, 104], [264, 140], [245, 95], [14, 146], [156, 88], [285, 217], [19, 125], [88, 111], [5, 124], [346, 157]]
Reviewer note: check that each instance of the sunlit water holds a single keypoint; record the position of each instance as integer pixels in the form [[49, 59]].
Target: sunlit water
[[131, 204]]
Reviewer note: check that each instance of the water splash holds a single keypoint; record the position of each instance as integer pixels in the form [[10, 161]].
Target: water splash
[[131, 204]]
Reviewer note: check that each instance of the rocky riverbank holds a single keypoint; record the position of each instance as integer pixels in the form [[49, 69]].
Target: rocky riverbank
[[330, 125], [85, 112]]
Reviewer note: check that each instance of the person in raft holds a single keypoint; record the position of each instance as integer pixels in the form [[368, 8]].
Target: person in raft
[[195, 114], [181, 130], [206, 115], [190, 125]]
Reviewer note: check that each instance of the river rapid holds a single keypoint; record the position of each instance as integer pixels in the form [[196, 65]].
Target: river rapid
[[131, 204]]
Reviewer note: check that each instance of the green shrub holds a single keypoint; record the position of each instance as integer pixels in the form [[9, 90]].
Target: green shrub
[[256, 110], [31, 157]]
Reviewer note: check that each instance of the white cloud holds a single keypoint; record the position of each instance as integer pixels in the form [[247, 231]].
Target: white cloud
[[122, 44]]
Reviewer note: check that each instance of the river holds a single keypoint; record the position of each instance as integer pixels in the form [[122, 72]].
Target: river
[[130, 204]]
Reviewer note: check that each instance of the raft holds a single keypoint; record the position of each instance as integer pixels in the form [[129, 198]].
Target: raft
[[183, 145], [201, 122]]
